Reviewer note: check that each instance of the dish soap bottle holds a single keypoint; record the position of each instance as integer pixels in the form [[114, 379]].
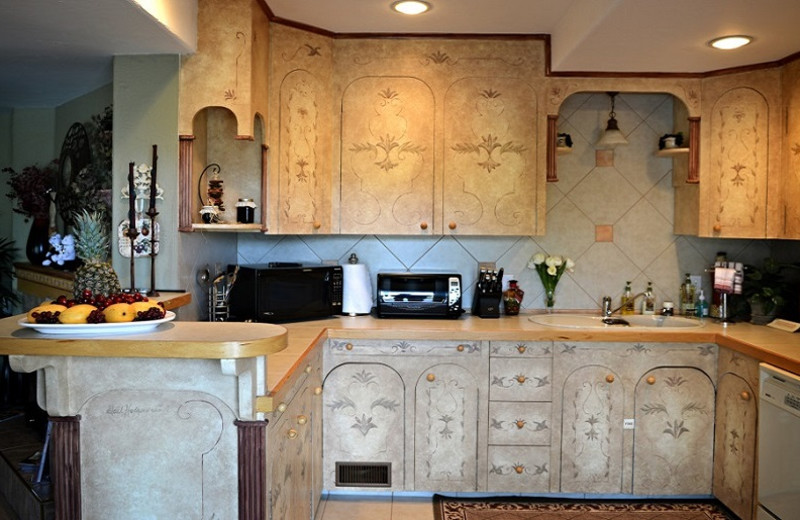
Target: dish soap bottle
[[627, 300], [649, 300], [701, 307], [687, 297]]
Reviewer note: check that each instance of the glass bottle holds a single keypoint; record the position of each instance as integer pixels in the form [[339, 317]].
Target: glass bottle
[[649, 300], [512, 298], [627, 300], [687, 297]]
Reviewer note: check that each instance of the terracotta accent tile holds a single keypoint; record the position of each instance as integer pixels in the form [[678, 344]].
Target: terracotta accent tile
[[604, 233], [604, 157]]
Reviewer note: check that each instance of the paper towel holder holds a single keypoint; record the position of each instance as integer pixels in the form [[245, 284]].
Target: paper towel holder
[[357, 295]]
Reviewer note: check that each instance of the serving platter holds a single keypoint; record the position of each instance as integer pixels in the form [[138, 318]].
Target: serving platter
[[96, 329]]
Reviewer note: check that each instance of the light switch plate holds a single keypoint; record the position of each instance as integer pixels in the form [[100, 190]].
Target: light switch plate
[[697, 281], [628, 424]]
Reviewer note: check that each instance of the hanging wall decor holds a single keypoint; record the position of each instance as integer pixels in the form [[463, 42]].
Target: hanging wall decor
[[147, 240]]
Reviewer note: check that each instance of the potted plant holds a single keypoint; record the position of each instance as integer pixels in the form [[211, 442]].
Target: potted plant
[[670, 141], [766, 289], [7, 296]]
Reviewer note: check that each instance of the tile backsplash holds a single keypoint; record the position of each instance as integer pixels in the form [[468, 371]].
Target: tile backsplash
[[610, 211]]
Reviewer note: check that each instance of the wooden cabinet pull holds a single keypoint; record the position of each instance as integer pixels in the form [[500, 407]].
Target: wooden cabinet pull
[[452, 225], [282, 407], [520, 423], [610, 378], [521, 349], [349, 346], [521, 379], [292, 433], [520, 469], [717, 228], [651, 380], [431, 378], [302, 419], [318, 390], [308, 369], [745, 395], [460, 348], [317, 224], [423, 225]]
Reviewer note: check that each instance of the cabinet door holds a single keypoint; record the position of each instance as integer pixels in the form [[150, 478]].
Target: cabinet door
[[591, 437], [291, 451], [790, 170], [519, 469], [735, 445], [737, 180], [445, 429], [364, 413], [520, 379], [674, 435]]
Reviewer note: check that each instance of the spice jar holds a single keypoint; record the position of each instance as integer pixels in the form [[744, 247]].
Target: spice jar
[[512, 298], [245, 211]]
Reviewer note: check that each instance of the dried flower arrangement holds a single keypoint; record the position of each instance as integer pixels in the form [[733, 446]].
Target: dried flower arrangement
[[31, 189]]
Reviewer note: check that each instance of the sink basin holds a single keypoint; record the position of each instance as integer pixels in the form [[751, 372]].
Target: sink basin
[[588, 321]]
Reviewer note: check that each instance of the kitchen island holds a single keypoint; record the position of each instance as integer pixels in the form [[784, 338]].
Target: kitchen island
[[157, 424]]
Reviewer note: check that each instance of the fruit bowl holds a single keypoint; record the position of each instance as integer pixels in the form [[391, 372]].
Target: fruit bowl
[[96, 329]]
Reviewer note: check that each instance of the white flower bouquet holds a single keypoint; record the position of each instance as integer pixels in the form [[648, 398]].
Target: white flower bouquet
[[550, 269]]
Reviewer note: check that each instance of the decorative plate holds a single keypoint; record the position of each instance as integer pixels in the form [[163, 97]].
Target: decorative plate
[[96, 329]]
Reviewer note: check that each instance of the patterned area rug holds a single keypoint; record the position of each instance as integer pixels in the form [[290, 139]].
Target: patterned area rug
[[523, 508]]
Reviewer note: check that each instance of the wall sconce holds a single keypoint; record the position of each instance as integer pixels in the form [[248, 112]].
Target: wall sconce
[[612, 137]]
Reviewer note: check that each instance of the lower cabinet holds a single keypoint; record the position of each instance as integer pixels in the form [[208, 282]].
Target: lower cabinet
[[736, 427], [294, 445]]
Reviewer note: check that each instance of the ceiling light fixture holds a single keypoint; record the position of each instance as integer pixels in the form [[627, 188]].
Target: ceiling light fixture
[[612, 137], [411, 7], [727, 43]]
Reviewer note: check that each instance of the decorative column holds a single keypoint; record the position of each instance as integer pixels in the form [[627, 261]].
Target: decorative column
[[186, 183], [693, 176], [65, 466], [252, 437], [552, 130]]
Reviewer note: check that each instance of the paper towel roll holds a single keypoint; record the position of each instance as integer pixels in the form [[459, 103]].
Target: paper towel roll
[[357, 290]]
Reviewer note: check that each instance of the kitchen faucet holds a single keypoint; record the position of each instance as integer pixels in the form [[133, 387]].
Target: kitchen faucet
[[608, 311]]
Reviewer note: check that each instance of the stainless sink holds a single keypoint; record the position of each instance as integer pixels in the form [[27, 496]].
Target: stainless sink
[[589, 321]]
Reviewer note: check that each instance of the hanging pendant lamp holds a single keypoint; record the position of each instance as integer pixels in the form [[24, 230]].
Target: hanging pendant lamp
[[612, 136]]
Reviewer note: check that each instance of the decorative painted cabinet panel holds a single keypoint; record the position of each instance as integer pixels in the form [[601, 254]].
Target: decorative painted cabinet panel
[[790, 157], [490, 157], [674, 435], [735, 440], [387, 148], [520, 416], [600, 385], [416, 404]]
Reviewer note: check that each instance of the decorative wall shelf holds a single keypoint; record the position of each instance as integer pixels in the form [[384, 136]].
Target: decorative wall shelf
[[229, 228], [563, 150], [670, 152]]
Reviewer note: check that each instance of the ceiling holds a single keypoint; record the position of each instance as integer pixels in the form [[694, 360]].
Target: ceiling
[[54, 50]]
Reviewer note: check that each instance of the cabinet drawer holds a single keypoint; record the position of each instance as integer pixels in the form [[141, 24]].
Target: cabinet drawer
[[519, 423], [519, 469], [520, 379], [518, 349], [402, 348]]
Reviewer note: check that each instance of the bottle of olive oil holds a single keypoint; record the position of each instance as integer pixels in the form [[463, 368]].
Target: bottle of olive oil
[[649, 300], [687, 297], [627, 300]]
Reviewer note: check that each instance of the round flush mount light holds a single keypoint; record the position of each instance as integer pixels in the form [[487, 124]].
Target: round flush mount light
[[728, 43], [411, 7]]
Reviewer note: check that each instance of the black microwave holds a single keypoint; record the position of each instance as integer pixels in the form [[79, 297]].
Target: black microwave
[[283, 291]]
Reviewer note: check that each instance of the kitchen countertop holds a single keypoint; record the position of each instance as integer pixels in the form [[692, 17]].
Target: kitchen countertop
[[767, 344]]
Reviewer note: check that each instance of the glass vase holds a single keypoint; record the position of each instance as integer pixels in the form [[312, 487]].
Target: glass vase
[[549, 299], [37, 245]]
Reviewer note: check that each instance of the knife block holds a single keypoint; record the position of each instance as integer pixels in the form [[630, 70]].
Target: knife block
[[486, 305]]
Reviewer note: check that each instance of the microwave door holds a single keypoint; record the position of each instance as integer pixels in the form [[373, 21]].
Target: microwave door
[[293, 296]]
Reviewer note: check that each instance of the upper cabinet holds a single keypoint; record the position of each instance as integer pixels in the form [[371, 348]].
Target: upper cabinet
[[790, 181]]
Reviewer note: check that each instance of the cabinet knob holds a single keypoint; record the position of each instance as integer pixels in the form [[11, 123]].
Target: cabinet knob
[[745, 395], [651, 380], [460, 348], [521, 349], [308, 369], [423, 225], [292, 433], [282, 407], [520, 423], [452, 225], [717, 228], [302, 419], [318, 390], [431, 378], [521, 378], [519, 468], [610, 378], [317, 224], [349, 346]]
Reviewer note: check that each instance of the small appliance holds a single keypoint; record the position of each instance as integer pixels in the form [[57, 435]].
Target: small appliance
[[285, 291], [419, 295]]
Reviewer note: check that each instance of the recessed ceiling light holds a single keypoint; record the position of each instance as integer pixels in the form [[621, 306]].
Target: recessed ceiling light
[[727, 43], [411, 6]]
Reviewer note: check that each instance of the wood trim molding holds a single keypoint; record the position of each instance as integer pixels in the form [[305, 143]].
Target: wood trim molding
[[185, 191], [65, 468], [252, 437], [552, 172], [693, 175]]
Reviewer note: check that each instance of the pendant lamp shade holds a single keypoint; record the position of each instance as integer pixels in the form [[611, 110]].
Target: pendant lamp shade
[[612, 136]]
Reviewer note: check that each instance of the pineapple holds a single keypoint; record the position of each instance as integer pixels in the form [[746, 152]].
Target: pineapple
[[91, 246]]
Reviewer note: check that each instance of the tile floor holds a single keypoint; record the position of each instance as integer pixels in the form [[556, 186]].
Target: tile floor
[[384, 507]]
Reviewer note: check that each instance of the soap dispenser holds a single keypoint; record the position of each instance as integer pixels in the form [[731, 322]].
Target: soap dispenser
[[649, 300], [627, 300], [701, 307]]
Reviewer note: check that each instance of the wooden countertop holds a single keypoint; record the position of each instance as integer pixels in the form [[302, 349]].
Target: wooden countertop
[[767, 344], [176, 339]]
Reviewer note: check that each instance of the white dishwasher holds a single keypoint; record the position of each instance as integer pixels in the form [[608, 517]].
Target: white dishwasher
[[778, 445]]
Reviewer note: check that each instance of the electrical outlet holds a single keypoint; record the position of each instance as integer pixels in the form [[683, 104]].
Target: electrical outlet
[[697, 281], [628, 424]]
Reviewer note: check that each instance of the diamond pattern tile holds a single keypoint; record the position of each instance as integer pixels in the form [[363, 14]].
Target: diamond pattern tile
[[642, 233], [604, 195]]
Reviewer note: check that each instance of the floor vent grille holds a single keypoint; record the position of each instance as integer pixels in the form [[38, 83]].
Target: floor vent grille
[[360, 474]]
